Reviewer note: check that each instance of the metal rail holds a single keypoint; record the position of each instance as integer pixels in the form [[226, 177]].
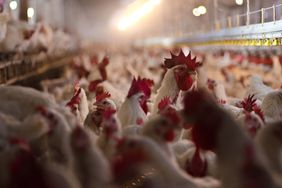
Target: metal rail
[[250, 29], [17, 68]]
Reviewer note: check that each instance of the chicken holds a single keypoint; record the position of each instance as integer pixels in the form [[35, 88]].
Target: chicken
[[138, 155], [57, 149], [180, 76], [218, 90], [211, 132], [91, 167], [269, 142], [40, 40], [134, 109], [14, 36], [100, 78], [31, 128], [14, 98], [95, 116], [79, 104], [252, 117], [272, 106], [61, 43], [258, 88], [22, 168], [111, 132], [162, 130], [198, 163]]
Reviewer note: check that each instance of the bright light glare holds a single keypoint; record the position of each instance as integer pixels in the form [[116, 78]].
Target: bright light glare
[[202, 9], [135, 15], [239, 2], [196, 12], [30, 12], [13, 5]]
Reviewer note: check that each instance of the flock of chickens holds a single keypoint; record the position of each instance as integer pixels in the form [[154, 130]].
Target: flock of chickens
[[147, 119], [22, 37]]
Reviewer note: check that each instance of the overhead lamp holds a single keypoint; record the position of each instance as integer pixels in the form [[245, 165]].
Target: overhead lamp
[[196, 12], [201, 10], [136, 13], [30, 12], [13, 5], [239, 2]]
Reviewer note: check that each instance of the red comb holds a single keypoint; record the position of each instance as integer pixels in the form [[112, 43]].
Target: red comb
[[249, 103], [181, 59], [108, 113], [75, 99], [165, 102], [103, 96], [258, 111], [93, 85], [140, 85]]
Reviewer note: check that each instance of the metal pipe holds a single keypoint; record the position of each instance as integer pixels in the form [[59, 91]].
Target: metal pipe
[[274, 12], [229, 19], [215, 7], [262, 15], [238, 20], [248, 12]]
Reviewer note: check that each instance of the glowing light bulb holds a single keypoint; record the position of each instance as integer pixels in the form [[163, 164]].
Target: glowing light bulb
[[239, 2], [136, 14], [196, 12], [30, 12], [13, 5], [202, 9]]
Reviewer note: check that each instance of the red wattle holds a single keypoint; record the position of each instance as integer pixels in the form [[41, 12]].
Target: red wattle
[[184, 81], [144, 106]]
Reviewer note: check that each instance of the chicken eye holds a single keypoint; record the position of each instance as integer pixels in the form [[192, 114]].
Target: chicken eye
[[142, 98], [105, 103]]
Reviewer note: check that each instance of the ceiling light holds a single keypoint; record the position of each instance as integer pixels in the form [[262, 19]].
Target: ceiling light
[[13, 5], [30, 12], [136, 13], [239, 2], [196, 12], [202, 9]]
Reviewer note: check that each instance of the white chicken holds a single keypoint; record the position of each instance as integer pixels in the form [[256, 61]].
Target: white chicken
[[138, 155], [211, 133], [79, 104], [258, 88], [270, 143], [91, 167], [272, 106], [180, 76], [111, 133], [134, 109], [94, 118]]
